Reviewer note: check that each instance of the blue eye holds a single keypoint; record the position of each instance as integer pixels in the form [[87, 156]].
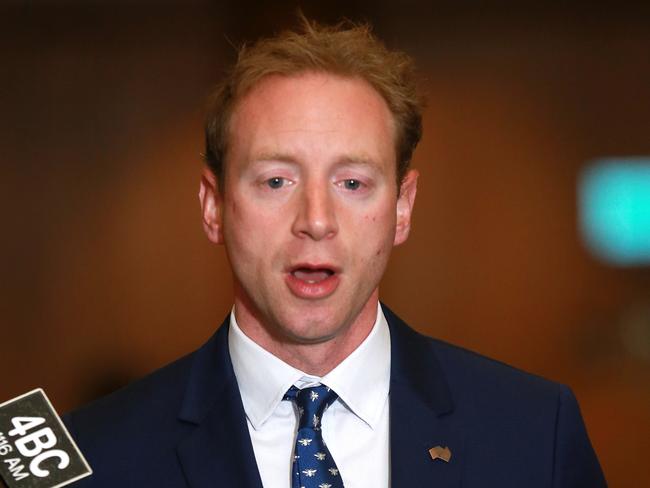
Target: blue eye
[[275, 182], [351, 184]]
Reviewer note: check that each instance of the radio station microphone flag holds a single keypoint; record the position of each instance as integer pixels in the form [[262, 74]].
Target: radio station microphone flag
[[36, 450]]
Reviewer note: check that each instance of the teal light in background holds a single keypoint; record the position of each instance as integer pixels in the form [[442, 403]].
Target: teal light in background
[[614, 206]]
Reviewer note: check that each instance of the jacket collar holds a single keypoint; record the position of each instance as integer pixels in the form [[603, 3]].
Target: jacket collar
[[421, 412], [415, 367], [219, 449]]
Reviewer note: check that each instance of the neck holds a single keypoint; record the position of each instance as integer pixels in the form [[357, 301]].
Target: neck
[[314, 357]]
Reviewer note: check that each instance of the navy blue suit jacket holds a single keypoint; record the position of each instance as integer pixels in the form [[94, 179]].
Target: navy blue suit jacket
[[184, 425]]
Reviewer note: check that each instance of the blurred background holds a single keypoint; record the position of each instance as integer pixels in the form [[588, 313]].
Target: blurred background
[[106, 274]]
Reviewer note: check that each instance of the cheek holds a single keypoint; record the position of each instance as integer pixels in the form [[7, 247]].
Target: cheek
[[376, 235], [252, 234], [241, 230], [244, 221]]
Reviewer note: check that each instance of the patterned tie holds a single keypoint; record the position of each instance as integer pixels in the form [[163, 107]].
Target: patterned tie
[[313, 465]]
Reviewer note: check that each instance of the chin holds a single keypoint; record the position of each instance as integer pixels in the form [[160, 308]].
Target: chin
[[311, 329]]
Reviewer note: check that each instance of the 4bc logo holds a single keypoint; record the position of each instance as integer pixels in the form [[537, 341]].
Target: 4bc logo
[[33, 445], [36, 450]]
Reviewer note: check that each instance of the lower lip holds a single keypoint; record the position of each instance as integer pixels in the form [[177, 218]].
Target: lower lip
[[305, 289]]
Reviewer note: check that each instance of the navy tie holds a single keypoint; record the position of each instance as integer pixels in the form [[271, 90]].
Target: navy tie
[[313, 465]]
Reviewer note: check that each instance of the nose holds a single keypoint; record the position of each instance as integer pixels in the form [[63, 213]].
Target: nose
[[315, 216]]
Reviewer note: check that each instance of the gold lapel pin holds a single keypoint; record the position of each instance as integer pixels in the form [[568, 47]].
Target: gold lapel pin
[[439, 452]]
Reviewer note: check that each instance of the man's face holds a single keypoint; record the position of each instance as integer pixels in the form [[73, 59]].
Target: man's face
[[310, 209]]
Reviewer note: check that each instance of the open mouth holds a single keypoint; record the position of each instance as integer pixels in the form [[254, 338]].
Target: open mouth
[[312, 275], [313, 281]]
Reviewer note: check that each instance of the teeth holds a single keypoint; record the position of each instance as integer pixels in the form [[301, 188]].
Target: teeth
[[312, 276]]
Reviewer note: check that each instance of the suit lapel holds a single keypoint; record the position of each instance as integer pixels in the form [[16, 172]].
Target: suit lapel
[[421, 413], [218, 451]]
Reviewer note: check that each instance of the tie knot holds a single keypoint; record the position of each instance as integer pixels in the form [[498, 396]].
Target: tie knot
[[311, 403]]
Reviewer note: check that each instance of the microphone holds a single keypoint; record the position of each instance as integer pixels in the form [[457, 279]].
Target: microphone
[[36, 450]]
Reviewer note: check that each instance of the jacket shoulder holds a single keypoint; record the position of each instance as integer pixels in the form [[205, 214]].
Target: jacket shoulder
[[501, 412], [126, 433], [463, 374], [462, 366], [145, 404]]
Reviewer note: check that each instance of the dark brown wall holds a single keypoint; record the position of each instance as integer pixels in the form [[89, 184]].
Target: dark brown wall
[[106, 274]]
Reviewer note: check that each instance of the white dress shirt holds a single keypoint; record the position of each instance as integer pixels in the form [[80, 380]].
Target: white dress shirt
[[355, 427]]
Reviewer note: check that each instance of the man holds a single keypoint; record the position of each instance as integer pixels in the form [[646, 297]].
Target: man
[[310, 381]]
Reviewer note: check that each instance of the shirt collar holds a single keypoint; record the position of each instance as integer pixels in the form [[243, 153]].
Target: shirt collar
[[361, 380]]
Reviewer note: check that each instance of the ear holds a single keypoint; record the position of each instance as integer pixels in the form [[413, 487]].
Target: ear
[[211, 206], [405, 201]]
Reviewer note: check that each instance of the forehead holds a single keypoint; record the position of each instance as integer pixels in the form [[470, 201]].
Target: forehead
[[313, 113]]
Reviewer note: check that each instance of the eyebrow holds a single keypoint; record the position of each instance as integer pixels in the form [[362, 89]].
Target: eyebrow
[[273, 156], [288, 158], [358, 161]]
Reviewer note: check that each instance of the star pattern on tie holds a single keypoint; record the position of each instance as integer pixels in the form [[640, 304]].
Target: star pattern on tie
[[313, 465]]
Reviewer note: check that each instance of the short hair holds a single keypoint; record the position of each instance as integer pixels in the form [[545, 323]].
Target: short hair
[[345, 49]]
